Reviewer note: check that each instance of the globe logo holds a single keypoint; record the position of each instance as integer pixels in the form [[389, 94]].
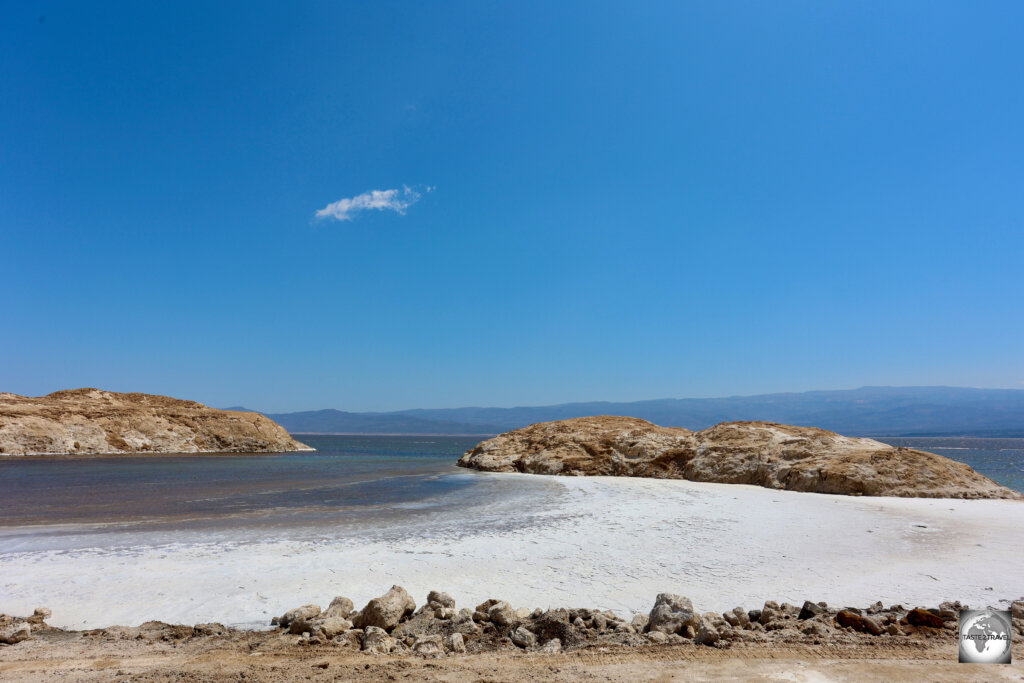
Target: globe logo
[[985, 636]]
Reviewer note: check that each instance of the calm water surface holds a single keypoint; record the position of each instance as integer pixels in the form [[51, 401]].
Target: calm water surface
[[348, 476], [349, 480], [1001, 460]]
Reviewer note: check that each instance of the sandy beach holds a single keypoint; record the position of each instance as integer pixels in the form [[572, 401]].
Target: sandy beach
[[610, 543]]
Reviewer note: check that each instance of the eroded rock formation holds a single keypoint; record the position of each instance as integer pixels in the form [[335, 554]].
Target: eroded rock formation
[[760, 453], [95, 421]]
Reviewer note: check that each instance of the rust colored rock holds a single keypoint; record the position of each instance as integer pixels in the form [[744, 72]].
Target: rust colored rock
[[922, 617], [858, 622]]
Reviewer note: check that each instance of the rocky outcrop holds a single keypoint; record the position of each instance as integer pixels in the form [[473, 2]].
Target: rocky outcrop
[[760, 453], [495, 625], [82, 421]]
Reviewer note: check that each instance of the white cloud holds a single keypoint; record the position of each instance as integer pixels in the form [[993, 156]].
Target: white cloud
[[392, 200]]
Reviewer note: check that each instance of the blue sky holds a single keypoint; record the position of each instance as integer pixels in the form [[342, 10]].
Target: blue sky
[[605, 200]]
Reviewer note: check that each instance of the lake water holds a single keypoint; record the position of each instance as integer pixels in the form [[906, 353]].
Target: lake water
[[350, 481], [1001, 460], [240, 538]]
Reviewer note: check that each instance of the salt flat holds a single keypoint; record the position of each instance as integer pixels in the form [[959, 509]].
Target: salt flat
[[601, 542]]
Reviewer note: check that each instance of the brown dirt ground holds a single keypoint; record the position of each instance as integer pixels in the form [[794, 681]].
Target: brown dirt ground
[[72, 656]]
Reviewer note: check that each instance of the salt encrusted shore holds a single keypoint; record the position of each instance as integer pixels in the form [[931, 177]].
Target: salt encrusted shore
[[608, 543]]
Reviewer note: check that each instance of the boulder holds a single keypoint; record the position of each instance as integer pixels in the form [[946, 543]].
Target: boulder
[[639, 622], [523, 637], [377, 641], [333, 626], [455, 643], [422, 624], [501, 613], [1017, 609], [304, 612], [446, 613], [814, 628], [301, 625], [15, 633], [922, 617], [551, 646], [810, 609], [671, 613], [657, 637], [340, 607], [858, 622], [386, 611], [39, 617], [431, 646], [707, 634], [737, 618], [440, 599]]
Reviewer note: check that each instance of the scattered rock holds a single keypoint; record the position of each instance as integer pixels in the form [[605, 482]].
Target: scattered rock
[[671, 613], [428, 645], [387, 610], [377, 641], [501, 613], [811, 609], [858, 622], [333, 626], [340, 607], [304, 612], [639, 622], [455, 643], [523, 637], [922, 617], [707, 634], [439, 599], [552, 646], [15, 633]]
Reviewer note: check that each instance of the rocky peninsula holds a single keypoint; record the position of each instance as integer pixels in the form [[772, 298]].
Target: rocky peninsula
[[92, 421], [764, 454]]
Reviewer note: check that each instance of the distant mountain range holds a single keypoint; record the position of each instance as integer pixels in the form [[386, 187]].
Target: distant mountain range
[[868, 411]]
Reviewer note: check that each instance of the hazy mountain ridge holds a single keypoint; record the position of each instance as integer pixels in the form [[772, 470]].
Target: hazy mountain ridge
[[878, 411]]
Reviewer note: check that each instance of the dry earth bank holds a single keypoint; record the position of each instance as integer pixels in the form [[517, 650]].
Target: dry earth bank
[[389, 639]]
